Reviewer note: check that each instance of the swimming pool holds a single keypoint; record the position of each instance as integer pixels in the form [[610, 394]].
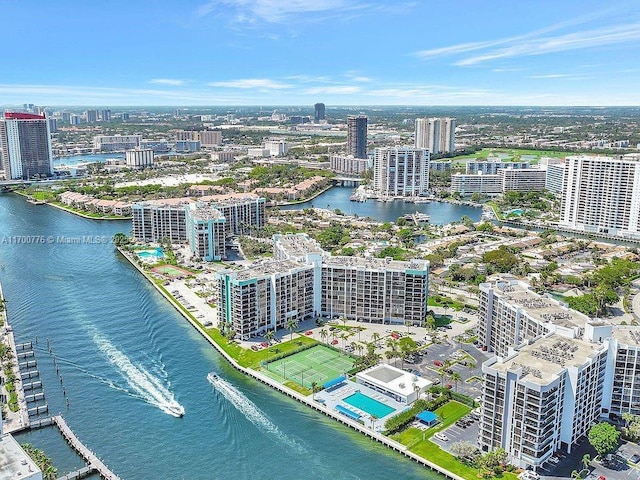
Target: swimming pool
[[369, 405], [156, 252]]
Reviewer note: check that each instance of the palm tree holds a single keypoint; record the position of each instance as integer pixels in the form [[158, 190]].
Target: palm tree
[[343, 337], [269, 336], [390, 355], [291, 325], [375, 337], [360, 348], [456, 377], [344, 319], [324, 334], [586, 460]]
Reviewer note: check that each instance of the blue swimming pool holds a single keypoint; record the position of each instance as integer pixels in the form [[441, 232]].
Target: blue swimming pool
[[368, 404], [156, 252]]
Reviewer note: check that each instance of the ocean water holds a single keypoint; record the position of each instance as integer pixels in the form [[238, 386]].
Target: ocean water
[[125, 356]]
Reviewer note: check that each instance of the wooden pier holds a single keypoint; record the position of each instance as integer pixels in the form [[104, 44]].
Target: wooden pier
[[80, 473], [92, 460]]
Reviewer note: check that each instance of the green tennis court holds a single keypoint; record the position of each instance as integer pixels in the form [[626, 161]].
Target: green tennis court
[[171, 271], [318, 364]]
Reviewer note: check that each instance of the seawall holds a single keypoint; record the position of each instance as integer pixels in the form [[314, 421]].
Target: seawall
[[398, 447]]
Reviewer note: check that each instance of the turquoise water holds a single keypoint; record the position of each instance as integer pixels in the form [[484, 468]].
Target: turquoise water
[[126, 354], [158, 253], [368, 404]]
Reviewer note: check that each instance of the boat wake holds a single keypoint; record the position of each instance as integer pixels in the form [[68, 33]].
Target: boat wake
[[140, 382], [249, 409]]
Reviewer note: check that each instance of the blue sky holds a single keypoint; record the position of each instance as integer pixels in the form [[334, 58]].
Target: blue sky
[[340, 52]]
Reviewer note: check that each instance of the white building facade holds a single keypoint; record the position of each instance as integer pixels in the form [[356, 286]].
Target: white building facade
[[401, 171], [601, 194]]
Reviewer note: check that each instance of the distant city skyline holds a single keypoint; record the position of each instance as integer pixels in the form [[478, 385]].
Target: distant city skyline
[[338, 52]]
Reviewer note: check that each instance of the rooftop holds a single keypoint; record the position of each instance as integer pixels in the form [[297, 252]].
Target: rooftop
[[548, 357], [393, 379], [297, 245], [266, 269], [376, 263], [14, 462], [543, 309]]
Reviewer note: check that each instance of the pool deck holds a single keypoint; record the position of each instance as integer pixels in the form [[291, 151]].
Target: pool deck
[[335, 396]]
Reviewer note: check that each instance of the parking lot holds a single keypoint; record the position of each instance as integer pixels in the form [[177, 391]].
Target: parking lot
[[617, 468], [443, 351], [465, 430]]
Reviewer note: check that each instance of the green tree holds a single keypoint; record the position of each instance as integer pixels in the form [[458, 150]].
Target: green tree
[[269, 336], [291, 325], [604, 438], [456, 377], [324, 334], [120, 240]]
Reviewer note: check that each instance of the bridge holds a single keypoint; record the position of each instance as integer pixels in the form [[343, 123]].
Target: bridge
[[348, 181]]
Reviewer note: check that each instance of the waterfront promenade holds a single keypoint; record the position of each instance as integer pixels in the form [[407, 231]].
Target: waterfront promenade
[[19, 420], [304, 399]]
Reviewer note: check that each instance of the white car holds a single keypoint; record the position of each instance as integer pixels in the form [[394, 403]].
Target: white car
[[441, 436]]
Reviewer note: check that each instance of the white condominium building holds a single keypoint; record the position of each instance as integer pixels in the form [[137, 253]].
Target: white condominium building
[[139, 158], [555, 372], [427, 134], [523, 180], [435, 134], [601, 194], [265, 296], [206, 231], [447, 135], [476, 183], [111, 143], [492, 166], [401, 171], [375, 290], [555, 174], [348, 165], [371, 290], [277, 147], [155, 222]]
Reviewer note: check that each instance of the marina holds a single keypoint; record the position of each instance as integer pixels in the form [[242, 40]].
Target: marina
[[339, 198]]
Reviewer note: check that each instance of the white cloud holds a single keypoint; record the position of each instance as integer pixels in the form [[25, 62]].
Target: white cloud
[[557, 75], [274, 11], [167, 81], [333, 90], [251, 83], [598, 37]]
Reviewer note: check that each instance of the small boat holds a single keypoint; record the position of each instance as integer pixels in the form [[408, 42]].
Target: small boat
[[212, 377], [176, 410]]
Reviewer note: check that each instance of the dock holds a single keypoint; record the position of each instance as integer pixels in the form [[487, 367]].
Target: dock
[[80, 473], [92, 460]]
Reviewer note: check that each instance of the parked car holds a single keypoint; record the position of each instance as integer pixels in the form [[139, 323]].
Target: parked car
[[437, 363], [441, 436]]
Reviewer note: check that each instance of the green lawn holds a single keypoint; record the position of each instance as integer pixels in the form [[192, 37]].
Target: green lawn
[[418, 442], [440, 302], [250, 359], [514, 154]]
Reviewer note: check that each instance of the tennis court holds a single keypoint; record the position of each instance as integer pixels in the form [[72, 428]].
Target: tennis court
[[318, 364], [171, 271]]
